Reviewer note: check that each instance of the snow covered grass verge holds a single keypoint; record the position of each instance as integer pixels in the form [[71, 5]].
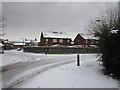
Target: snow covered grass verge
[[88, 75], [13, 58]]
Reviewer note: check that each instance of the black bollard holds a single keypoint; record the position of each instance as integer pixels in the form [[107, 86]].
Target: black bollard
[[119, 85], [78, 60]]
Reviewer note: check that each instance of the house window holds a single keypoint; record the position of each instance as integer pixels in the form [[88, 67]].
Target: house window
[[86, 41], [61, 40], [46, 40], [92, 41], [54, 40], [78, 40], [68, 40], [96, 42]]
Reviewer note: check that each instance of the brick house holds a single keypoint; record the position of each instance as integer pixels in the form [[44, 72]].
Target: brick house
[[85, 40], [54, 38], [21, 44], [7, 45]]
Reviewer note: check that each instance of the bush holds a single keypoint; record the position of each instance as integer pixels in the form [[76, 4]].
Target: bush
[[110, 48], [107, 29], [111, 54]]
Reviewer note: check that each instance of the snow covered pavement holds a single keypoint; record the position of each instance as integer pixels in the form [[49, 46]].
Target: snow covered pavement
[[30, 70], [88, 75]]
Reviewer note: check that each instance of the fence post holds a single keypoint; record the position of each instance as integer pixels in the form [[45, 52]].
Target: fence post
[[78, 60]]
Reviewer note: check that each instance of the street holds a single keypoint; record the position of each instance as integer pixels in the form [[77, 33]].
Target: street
[[18, 72]]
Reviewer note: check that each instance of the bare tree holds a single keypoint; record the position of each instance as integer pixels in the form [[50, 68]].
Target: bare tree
[[2, 33], [105, 22]]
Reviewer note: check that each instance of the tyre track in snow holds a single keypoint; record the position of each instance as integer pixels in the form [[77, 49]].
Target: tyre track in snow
[[18, 72]]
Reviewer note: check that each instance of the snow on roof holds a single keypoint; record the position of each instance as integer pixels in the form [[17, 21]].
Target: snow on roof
[[114, 31], [36, 41], [52, 34], [5, 41], [27, 41], [88, 36], [32, 41], [1, 45], [17, 43]]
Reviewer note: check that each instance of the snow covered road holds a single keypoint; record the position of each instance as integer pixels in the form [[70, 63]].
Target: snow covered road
[[31, 70], [22, 66]]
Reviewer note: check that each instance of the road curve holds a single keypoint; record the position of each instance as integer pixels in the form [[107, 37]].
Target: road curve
[[18, 72]]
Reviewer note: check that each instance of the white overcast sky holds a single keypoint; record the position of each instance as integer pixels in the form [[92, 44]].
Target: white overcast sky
[[28, 19]]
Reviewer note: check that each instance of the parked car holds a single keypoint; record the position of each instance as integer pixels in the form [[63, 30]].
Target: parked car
[[19, 49], [57, 45], [78, 46], [1, 50], [94, 46]]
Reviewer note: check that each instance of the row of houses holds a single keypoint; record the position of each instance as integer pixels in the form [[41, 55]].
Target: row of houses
[[5, 44], [25, 43], [52, 38], [15, 44], [61, 38]]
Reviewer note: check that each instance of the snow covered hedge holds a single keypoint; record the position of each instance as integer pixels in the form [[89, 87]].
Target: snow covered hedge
[[110, 48], [107, 29]]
